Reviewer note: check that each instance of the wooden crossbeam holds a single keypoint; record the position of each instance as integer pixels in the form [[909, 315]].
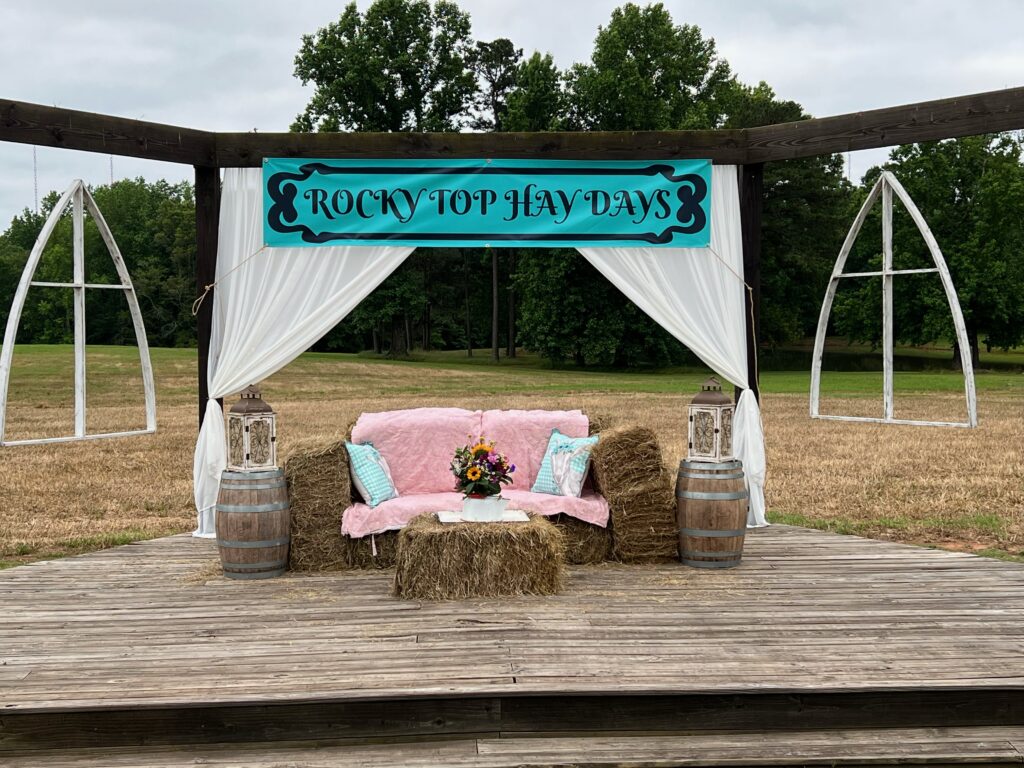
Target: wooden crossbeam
[[249, 149], [43, 126], [925, 121], [978, 113]]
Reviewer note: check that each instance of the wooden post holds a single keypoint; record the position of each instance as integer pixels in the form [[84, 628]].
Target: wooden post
[[751, 203], [207, 220]]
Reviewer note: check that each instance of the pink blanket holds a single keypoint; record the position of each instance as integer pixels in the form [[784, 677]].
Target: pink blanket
[[361, 520], [418, 445]]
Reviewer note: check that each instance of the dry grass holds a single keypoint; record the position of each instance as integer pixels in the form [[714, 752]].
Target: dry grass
[[945, 487]]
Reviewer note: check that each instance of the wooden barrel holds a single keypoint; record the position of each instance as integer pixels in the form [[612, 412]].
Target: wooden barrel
[[711, 506], [252, 524]]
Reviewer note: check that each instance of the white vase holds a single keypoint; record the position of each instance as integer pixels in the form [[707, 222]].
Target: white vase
[[486, 510]]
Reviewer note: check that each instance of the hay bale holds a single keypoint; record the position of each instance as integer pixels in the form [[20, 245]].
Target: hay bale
[[358, 554], [451, 562], [600, 421], [630, 474], [585, 544], [320, 490]]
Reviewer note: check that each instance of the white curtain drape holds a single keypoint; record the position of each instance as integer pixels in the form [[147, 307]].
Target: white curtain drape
[[698, 295], [268, 308]]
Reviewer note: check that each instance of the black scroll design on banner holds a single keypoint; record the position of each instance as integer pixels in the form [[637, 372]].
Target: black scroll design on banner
[[692, 192]]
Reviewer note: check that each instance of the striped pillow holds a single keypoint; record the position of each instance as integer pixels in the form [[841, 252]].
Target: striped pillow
[[564, 466], [370, 473]]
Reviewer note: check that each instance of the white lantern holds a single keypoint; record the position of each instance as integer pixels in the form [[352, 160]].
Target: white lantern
[[710, 431], [252, 433]]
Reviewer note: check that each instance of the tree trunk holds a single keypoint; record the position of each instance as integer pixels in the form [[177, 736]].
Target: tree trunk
[[376, 341], [426, 328], [465, 285], [510, 350], [399, 340], [408, 332], [972, 339], [494, 305]]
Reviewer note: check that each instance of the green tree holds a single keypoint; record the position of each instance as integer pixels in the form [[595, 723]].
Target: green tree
[[804, 220], [404, 65], [496, 64], [154, 226], [649, 73], [971, 193], [537, 103]]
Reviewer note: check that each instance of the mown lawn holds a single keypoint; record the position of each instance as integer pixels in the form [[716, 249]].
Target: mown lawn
[[953, 488]]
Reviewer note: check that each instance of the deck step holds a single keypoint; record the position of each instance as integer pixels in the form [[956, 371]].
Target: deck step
[[884, 746]]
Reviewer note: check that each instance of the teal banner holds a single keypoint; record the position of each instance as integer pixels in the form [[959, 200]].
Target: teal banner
[[498, 203]]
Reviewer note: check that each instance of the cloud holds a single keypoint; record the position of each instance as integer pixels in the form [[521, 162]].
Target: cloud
[[228, 65]]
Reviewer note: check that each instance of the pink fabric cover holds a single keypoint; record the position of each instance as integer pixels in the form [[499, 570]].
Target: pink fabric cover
[[361, 520], [418, 444], [523, 437]]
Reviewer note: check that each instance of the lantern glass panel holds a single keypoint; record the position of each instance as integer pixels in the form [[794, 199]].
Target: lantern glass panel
[[704, 432], [236, 441], [260, 443], [725, 438]]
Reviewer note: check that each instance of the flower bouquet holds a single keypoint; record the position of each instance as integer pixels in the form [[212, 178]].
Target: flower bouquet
[[480, 471]]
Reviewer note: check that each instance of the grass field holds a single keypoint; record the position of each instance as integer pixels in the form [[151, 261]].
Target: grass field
[[954, 488]]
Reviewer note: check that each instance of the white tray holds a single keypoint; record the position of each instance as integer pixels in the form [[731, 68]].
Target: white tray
[[508, 516]]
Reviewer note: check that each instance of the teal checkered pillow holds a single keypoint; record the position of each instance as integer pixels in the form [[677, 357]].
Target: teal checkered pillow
[[370, 473], [564, 466]]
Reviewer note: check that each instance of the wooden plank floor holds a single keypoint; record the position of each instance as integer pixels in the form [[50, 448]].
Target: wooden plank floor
[[147, 625], [941, 746]]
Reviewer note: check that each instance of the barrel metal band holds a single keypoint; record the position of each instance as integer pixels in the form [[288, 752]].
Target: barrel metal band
[[711, 495], [252, 544], [701, 533], [276, 506], [728, 554], [255, 566], [710, 475], [257, 575], [229, 475], [708, 464], [256, 486], [711, 563]]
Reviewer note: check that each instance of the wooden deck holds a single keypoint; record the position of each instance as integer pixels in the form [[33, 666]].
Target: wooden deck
[[819, 648]]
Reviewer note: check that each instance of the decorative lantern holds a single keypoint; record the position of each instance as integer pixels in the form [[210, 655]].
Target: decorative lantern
[[711, 415], [252, 433]]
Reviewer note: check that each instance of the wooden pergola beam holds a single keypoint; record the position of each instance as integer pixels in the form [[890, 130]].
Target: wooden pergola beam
[[978, 113], [43, 126], [925, 121], [721, 146]]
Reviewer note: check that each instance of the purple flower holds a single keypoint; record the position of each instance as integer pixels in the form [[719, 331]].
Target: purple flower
[[512, 468]]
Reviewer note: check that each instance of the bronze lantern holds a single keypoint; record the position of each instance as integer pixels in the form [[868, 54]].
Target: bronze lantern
[[252, 433], [711, 418]]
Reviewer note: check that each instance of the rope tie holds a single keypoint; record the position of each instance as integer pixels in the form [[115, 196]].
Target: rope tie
[[207, 288]]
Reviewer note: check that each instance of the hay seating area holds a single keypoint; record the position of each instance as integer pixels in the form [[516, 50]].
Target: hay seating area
[[436, 561], [627, 468]]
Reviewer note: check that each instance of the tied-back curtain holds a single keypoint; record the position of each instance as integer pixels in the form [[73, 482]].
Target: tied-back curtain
[[269, 306], [698, 295]]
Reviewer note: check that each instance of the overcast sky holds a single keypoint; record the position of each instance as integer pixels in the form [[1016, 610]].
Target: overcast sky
[[223, 65]]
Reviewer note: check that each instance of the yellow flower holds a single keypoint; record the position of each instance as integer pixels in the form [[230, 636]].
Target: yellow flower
[[473, 473], [481, 446]]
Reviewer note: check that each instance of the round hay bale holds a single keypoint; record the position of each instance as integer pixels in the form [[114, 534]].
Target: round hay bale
[[585, 544], [436, 561]]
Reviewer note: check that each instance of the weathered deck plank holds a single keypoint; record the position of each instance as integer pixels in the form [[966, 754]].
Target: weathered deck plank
[[149, 625]]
